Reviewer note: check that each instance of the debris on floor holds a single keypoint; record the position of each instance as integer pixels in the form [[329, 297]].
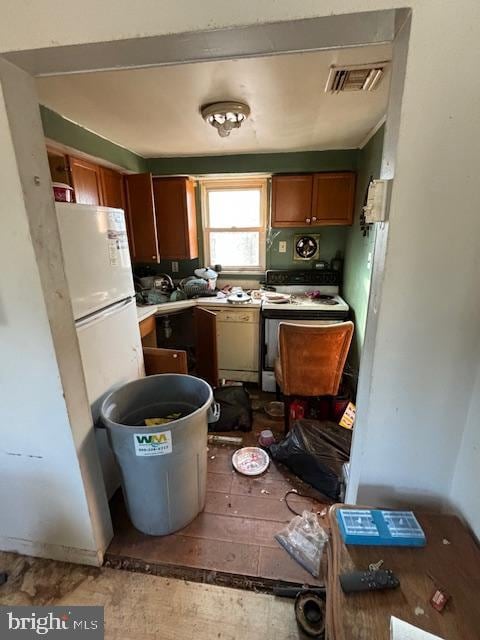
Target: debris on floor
[[304, 539], [135, 602], [250, 461], [232, 541], [231, 440]]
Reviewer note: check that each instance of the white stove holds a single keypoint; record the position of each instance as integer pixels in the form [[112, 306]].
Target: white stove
[[300, 297], [320, 299]]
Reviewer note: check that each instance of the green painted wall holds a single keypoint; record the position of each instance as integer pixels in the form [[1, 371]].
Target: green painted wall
[[73, 135], [256, 163], [357, 274], [332, 240]]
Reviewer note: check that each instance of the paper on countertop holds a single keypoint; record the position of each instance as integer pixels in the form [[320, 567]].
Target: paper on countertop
[[400, 630]]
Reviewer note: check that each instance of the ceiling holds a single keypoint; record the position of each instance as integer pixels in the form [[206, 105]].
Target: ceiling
[[155, 111]]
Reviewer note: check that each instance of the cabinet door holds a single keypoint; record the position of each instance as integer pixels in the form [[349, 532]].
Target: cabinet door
[[206, 345], [141, 214], [59, 167], [291, 200], [176, 218], [164, 361], [333, 198], [112, 188], [85, 181]]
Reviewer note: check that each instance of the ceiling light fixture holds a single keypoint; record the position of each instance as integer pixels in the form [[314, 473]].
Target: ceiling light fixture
[[225, 116]]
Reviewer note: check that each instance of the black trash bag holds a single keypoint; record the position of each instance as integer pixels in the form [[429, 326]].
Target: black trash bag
[[315, 452], [235, 409]]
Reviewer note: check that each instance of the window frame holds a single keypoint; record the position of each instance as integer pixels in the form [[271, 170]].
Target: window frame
[[235, 184]]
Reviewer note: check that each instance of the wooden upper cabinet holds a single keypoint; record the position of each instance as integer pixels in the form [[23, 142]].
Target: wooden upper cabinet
[[141, 213], [59, 166], [291, 200], [85, 181], [333, 198], [176, 218], [113, 194]]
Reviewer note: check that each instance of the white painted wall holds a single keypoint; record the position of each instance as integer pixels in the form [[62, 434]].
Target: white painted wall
[[464, 493], [51, 496], [425, 349], [423, 358]]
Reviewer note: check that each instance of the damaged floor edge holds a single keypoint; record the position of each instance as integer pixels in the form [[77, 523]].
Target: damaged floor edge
[[203, 576], [141, 606]]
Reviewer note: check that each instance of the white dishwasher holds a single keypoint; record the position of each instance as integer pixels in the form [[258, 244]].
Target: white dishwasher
[[238, 339]]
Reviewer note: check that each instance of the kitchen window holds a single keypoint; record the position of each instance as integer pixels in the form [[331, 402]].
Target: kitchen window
[[234, 218]]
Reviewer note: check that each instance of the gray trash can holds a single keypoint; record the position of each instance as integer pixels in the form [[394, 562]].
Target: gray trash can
[[163, 468]]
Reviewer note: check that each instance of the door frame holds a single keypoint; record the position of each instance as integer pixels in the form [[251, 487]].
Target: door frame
[[335, 31]]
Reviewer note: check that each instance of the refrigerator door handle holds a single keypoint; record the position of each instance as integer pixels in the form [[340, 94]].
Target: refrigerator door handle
[[100, 315]]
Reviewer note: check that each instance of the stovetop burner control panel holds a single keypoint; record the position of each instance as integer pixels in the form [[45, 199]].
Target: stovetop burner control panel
[[278, 277]]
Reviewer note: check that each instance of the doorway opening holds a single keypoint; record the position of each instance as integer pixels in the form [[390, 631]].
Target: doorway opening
[[354, 136]]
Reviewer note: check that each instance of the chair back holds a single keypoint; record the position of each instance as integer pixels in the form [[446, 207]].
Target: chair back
[[312, 357]]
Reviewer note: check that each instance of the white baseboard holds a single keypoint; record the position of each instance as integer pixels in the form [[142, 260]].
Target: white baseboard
[[51, 551]]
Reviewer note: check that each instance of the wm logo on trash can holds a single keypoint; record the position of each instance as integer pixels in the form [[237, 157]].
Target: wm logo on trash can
[[153, 444]]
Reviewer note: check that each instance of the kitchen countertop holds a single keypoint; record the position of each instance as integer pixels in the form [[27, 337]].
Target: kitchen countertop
[[146, 311]]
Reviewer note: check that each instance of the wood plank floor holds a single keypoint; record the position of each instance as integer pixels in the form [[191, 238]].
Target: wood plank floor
[[144, 607], [235, 533]]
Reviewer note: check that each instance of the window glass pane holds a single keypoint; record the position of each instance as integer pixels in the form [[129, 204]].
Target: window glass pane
[[235, 249], [234, 208]]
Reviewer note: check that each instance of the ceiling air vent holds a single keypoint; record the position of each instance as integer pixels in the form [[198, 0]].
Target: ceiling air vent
[[355, 78]]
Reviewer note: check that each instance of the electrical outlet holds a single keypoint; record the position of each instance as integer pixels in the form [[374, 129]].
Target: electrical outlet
[[174, 267], [282, 246]]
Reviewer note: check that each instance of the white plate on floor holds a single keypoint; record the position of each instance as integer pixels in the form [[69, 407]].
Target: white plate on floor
[[250, 461]]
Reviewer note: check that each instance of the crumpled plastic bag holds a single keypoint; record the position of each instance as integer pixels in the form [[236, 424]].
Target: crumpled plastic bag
[[304, 539], [315, 452]]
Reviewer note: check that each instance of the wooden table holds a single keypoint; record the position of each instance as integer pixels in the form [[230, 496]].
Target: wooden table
[[451, 556]]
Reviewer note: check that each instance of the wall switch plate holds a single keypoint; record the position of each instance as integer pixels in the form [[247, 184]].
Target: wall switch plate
[[282, 246], [174, 267]]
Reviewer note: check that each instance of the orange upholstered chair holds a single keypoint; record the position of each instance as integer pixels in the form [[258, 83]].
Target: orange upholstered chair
[[311, 360]]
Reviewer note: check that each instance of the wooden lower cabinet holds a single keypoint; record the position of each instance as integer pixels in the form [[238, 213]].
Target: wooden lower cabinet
[[148, 328], [164, 361], [205, 324], [191, 331]]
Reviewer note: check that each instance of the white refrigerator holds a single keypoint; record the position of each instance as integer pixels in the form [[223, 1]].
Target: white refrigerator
[[98, 269]]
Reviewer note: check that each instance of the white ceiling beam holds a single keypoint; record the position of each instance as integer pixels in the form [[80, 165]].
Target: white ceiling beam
[[348, 30]]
